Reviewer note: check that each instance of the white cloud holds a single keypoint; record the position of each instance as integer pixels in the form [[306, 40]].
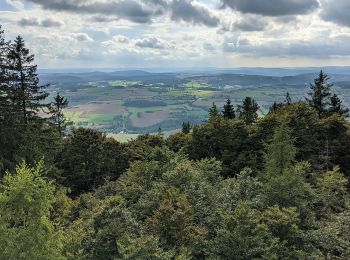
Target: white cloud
[[185, 33]]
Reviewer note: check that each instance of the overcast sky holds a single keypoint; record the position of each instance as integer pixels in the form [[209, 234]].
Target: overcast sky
[[181, 33]]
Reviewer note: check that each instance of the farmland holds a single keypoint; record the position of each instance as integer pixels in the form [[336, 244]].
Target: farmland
[[134, 102]]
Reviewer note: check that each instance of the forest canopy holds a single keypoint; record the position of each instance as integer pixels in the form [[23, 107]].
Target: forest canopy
[[239, 186]]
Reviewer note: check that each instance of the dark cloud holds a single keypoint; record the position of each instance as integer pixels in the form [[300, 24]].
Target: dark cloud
[[139, 11], [250, 24], [186, 11], [102, 19], [127, 9], [336, 11], [272, 7], [32, 21]]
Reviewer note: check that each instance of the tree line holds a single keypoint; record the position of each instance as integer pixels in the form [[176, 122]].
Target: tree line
[[238, 186]]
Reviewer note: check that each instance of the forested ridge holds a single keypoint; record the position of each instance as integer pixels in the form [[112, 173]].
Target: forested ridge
[[239, 186]]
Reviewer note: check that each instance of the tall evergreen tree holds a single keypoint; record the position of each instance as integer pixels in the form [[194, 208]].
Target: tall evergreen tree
[[28, 94], [248, 111], [320, 93], [336, 107], [288, 99], [8, 140], [186, 127], [56, 109], [229, 111], [5, 91], [213, 112], [280, 152]]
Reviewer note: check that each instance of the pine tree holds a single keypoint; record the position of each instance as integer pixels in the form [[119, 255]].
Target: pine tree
[[280, 152], [213, 112], [186, 127], [5, 93], [320, 94], [248, 111], [288, 99], [275, 106], [28, 94], [229, 112], [56, 109], [8, 139], [336, 107]]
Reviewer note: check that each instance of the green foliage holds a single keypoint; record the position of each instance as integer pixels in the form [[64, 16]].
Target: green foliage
[[230, 189], [242, 235], [26, 231], [280, 152], [88, 158], [186, 127], [320, 95], [56, 109], [213, 112], [28, 95], [225, 140], [228, 112], [248, 111]]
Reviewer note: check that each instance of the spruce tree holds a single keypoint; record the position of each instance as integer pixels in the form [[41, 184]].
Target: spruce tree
[[28, 94], [56, 109], [229, 112], [336, 107], [213, 112], [8, 140], [280, 152], [320, 93], [248, 111], [186, 127], [5, 91], [288, 99]]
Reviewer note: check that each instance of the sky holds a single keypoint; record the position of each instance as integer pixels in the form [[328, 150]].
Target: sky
[[181, 33]]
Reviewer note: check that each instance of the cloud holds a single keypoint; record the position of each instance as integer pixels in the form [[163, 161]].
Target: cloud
[[121, 39], [138, 11], [188, 11], [82, 37], [249, 24], [315, 48], [152, 43], [208, 47], [336, 11], [132, 10], [272, 7], [33, 21]]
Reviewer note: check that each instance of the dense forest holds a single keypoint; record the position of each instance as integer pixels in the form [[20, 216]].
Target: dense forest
[[239, 186]]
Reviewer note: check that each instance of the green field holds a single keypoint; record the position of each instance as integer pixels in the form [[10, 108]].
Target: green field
[[104, 105]]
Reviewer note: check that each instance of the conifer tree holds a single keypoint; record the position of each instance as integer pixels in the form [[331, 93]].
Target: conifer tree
[[275, 106], [186, 127], [56, 109], [5, 94], [320, 93], [8, 141], [213, 112], [28, 94], [229, 112], [336, 107], [248, 111], [280, 152], [288, 99]]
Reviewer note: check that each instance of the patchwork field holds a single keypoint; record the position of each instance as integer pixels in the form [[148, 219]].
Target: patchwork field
[[129, 103]]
